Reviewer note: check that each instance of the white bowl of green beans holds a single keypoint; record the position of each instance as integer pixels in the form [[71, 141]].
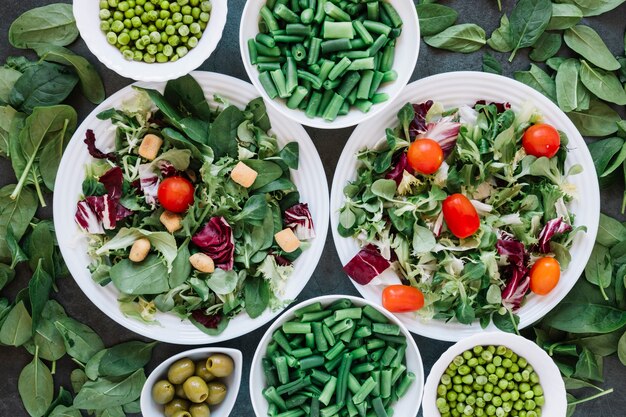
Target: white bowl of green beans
[[497, 373], [168, 49], [335, 354], [328, 64]]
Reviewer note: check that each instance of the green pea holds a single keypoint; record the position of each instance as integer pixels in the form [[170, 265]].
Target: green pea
[[138, 10], [124, 39], [105, 14], [138, 56], [127, 24], [128, 54], [140, 2], [181, 51], [168, 51], [123, 6], [160, 24], [187, 19], [173, 40], [117, 26], [174, 58], [113, 3], [206, 6], [192, 42], [183, 30], [164, 38], [164, 14], [152, 49], [149, 59], [129, 14], [177, 17], [195, 12], [204, 17], [105, 26], [148, 7], [111, 38], [104, 4]]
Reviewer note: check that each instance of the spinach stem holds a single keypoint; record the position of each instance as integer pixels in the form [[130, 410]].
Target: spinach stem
[[38, 188], [593, 397]]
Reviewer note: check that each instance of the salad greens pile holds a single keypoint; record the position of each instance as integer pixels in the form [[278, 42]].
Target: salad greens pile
[[232, 224], [396, 213]]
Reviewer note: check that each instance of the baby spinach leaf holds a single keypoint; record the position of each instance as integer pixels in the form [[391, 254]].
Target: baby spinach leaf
[[92, 367], [599, 120], [603, 344], [178, 140], [103, 393], [604, 84], [7, 117], [610, 231], [490, 64], [78, 379], [586, 42], [17, 254], [52, 24], [500, 39], [222, 282], [64, 398], [223, 137], [125, 358], [435, 18], [7, 274], [181, 268], [621, 349], [49, 341], [116, 411], [267, 172], [39, 288], [571, 94], [280, 184], [290, 154], [528, 21], [186, 94], [36, 387], [260, 118], [81, 342], [18, 213], [90, 81], [546, 46], [17, 326], [142, 278], [254, 211], [132, 407], [555, 62], [590, 318], [256, 295], [44, 84], [423, 239], [63, 411], [594, 7], [539, 80], [599, 269], [40, 247], [564, 16], [465, 38], [589, 366], [8, 78], [164, 242]]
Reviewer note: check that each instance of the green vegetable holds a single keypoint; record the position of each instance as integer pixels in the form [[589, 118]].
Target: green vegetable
[[40, 85], [564, 16], [539, 80], [586, 42], [435, 18], [529, 19], [500, 39], [8, 78], [546, 47], [81, 342], [52, 24], [594, 7], [147, 277], [103, 394], [604, 84], [39, 289], [36, 387], [571, 94], [17, 213], [125, 358], [591, 318], [464, 38], [598, 120], [599, 269], [17, 325]]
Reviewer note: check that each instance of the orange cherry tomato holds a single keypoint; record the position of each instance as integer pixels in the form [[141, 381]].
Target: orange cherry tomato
[[425, 156], [175, 194], [460, 215], [544, 275], [402, 298], [541, 140]]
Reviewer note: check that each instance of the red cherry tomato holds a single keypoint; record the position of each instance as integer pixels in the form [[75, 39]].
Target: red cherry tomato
[[544, 275], [402, 298], [176, 194], [460, 216], [541, 140], [425, 156]]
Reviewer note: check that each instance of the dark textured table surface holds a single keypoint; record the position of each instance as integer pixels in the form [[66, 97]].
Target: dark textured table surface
[[328, 277]]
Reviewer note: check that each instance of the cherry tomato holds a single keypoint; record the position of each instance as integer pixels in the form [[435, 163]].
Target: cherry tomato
[[460, 216], [541, 140], [544, 275], [176, 194], [402, 298], [425, 156]]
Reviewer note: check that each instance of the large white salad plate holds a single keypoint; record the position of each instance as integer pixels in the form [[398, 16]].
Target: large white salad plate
[[309, 178], [465, 88]]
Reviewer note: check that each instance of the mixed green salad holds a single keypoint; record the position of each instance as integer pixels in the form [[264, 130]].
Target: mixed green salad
[[193, 212], [468, 206]]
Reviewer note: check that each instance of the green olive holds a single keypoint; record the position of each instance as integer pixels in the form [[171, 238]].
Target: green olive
[[217, 393], [182, 413], [220, 365], [180, 392], [175, 406], [196, 389], [199, 410], [163, 392], [180, 371], [202, 372]]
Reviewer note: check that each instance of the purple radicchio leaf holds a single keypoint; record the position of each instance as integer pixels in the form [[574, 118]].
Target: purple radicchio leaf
[[281, 260], [516, 273], [444, 131], [88, 219], [401, 165], [210, 322], [553, 227], [298, 218], [90, 141], [167, 169], [149, 183], [500, 107], [418, 125], [102, 209], [366, 265], [216, 240], [112, 181]]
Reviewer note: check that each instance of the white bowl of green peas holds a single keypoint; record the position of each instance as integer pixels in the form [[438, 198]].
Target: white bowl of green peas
[[151, 40], [495, 374], [326, 64], [335, 354]]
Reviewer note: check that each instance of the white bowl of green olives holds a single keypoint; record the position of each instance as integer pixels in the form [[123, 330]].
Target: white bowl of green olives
[[201, 382], [499, 373], [151, 40]]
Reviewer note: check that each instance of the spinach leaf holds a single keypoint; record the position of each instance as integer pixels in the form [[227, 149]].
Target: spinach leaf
[[564, 16], [590, 318], [435, 18], [604, 84], [40, 247], [163, 242], [52, 24], [39, 288], [539, 80], [44, 84], [49, 341], [63, 411], [90, 81], [599, 269], [260, 118], [7, 117], [610, 231], [92, 367], [81, 342], [64, 398], [142, 278], [554, 63], [506, 322], [465, 38], [621, 349], [586, 42], [132, 407], [116, 411], [187, 96], [546, 46], [571, 94], [423, 239], [17, 254], [8, 78], [603, 344], [599, 120], [17, 326], [254, 211], [500, 39], [223, 137], [222, 282], [267, 172], [594, 7], [125, 358], [290, 154], [36, 387], [78, 378], [7, 274], [490, 64], [179, 141], [281, 184], [181, 268], [589, 366], [256, 296], [528, 21], [103, 393]]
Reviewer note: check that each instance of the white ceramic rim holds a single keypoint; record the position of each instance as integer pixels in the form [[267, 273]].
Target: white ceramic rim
[[407, 51], [411, 399], [148, 406], [549, 375], [453, 89], [310, 178], [88, 23]]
